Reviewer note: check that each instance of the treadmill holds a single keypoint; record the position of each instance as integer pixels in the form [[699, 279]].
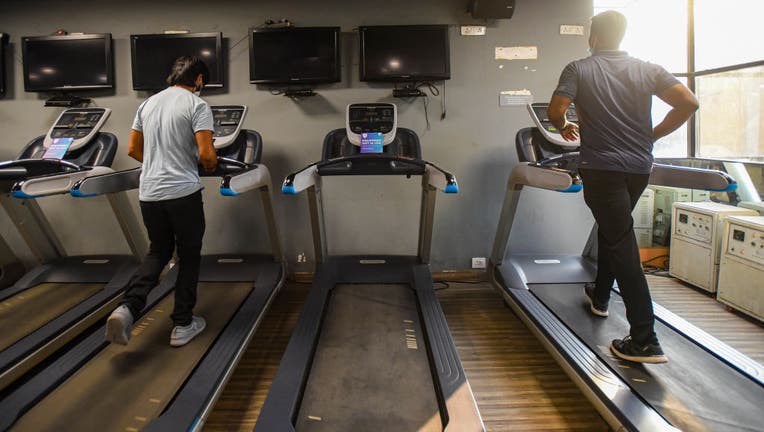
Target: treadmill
[[58, 299], [706, 385], [149, 385], [372, 350]]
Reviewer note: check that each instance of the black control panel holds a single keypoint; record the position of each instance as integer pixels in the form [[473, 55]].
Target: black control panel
[[227, 120], [371, 118], [76, 124]]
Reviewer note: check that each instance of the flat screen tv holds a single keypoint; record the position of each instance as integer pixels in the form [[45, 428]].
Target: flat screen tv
[[153, 56], [296, 55], [3, 41], [70, 62], [405, 53]]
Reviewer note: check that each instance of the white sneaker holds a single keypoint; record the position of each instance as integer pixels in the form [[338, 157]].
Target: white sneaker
[[183, 335], [118, 326]]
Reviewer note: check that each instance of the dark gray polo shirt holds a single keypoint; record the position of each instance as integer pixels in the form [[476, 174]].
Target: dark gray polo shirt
[[613, 97]]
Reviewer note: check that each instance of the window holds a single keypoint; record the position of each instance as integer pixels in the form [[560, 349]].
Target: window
[[730, 122], [659, 38], [656, 32], [727, 33], [673, 145]]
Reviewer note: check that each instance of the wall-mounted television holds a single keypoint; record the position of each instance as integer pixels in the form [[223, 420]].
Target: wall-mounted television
[[70, 62], [405, 53], [3, 41], [294, 55], [153, 55]]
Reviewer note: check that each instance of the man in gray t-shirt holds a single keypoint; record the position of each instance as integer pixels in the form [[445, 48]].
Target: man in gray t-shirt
[[613, 98], [171, 136]]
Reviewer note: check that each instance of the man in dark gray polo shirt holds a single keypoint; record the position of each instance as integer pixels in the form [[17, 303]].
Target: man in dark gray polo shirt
[[613, 97]]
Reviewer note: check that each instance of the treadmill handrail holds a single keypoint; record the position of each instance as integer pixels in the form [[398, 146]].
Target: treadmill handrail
[[255, 177], [530, 174], [12, 173], [301, 180], [113, 182], [56, 184], [440, 179], [40, 161], [691, 178]]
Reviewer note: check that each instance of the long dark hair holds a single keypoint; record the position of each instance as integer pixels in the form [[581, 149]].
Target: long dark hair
[[186, 69]]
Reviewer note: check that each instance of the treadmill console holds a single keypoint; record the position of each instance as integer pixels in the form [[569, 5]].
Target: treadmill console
[[373, 118], [228, 120], [538, 114], [77, 124]]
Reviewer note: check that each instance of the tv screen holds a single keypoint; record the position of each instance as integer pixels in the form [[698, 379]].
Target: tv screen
[[405, 53], [294, 55], [71, 62], [154, 54], [3, 41]]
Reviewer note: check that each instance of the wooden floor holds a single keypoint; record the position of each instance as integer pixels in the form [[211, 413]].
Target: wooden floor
[[518, 386], [744, 334]]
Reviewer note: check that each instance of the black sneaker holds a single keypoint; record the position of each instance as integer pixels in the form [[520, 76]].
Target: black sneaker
[[597, 309], [629, 350]]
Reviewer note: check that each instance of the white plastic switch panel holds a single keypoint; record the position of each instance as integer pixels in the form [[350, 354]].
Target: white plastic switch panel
[[517, 53], [473, 30], [478, 262], [575, 30]]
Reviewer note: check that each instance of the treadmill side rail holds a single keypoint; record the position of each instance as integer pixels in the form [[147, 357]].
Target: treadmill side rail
[[56, 184], [113, 182], [691, 178]]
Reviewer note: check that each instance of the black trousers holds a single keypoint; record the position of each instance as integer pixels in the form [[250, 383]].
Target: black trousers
[[611, 196], [169, 223]]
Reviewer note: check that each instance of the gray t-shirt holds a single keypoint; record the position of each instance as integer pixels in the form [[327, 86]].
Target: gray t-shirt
[[168, 121], [613, 97]]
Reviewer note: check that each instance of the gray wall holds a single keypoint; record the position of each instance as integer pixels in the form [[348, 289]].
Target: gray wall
[[365, 215]]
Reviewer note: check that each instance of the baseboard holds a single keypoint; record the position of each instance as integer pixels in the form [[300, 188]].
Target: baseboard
[[444, 276]]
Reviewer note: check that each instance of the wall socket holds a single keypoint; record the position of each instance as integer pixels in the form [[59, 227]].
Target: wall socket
[[478, 262], [473, 30]]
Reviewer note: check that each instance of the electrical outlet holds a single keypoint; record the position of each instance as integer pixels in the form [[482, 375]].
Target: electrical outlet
[[473, 30], [478, 262], [575, 30]]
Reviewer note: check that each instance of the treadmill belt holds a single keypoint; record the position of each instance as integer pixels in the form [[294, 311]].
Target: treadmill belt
[[31, 309], [370, 371], [694, 391], [124, 387]]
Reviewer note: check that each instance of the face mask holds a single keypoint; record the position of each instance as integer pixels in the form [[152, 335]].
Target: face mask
[[198, 90]]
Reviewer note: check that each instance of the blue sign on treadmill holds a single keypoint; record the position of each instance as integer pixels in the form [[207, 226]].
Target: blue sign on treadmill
[[58, 148], [371, 142]]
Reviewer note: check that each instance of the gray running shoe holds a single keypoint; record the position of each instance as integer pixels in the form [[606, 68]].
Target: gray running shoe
[[118, 326], [182, 335]]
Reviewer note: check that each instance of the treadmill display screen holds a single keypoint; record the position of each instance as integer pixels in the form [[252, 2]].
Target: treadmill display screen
[[226, 121], [371, 119], [78, 121], [540, 111]]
